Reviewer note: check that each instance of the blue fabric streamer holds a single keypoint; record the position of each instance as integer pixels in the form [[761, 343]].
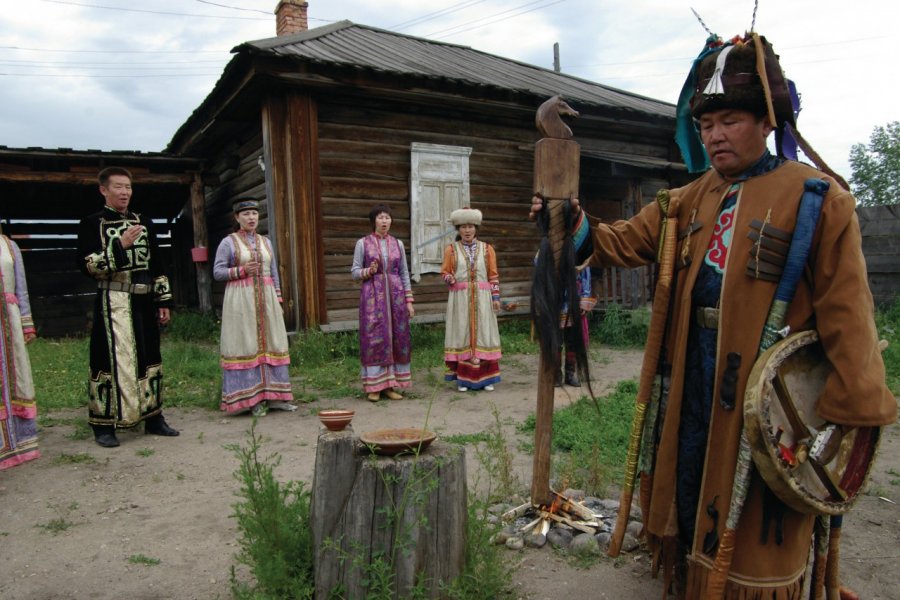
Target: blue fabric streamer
[[686, 135], [807, 218]]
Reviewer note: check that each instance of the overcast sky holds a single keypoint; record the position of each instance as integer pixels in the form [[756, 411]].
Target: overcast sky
[[125, 74]]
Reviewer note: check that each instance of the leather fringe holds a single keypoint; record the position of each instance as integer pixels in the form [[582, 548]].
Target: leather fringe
[[697, 579], [685, 580]]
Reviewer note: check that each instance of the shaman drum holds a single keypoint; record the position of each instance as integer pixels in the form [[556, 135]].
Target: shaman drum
[[813, 466]]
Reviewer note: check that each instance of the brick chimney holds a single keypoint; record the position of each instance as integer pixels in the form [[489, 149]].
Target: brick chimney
[[290, 17]]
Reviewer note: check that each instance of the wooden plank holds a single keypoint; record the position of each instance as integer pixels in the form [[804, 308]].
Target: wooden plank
[[89, 179], [201, 240], [308, 268], [278, 161], [882, 263], [347, 187]]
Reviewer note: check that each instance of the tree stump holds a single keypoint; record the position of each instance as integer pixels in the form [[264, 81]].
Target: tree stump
[[402, 516]]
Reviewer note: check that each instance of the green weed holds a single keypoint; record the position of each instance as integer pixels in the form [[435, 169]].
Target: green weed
[[82, 458], [619, 327], [466, 439], [591, 446], [61, 522], [145, 452], [275, 534], [887, 319], [140, 559]]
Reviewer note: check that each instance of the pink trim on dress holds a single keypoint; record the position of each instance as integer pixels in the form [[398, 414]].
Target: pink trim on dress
[[461, 286], [248, 281], [13, 461], [248, 403]]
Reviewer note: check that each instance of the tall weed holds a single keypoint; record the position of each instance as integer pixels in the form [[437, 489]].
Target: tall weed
[[620, 327], [274, 528], [887, 319]]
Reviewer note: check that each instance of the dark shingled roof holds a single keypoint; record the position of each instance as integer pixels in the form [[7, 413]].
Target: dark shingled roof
[[348, 44]]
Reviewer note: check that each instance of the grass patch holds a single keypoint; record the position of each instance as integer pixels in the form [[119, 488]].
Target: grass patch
[[466, 439], [63, 368], [590, 446], [145, 452], [82, 458], [141, 559], [56, 526], [329, 362], [620, 327], [61, 523], [192, 325]]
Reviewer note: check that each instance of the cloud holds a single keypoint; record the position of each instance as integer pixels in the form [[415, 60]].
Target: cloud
[[70, 86]]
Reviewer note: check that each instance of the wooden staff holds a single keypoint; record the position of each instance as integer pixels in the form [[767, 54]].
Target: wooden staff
[[650, 366]]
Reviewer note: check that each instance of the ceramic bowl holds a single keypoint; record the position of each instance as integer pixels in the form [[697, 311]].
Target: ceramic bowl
[[336, 419]]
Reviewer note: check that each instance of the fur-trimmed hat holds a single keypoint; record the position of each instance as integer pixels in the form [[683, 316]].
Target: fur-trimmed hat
[[742, 73], [243, 204], [745, 74], [466, 216]]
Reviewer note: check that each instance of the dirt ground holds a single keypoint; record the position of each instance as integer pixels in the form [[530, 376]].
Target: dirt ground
[[170, 499]]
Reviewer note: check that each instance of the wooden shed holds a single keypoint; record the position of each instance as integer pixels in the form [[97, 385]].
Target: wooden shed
[[325, 123], [46, 192]]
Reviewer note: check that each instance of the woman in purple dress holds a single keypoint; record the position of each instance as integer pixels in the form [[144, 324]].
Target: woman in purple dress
[[385, 308]]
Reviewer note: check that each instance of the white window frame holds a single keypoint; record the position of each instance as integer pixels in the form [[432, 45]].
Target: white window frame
[[438, 175]]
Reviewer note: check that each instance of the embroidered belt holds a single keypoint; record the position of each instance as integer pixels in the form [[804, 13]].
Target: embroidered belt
[[707, 317], [118, 286]]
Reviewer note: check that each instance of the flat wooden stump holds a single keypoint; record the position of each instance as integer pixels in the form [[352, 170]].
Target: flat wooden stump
[[407, 511]]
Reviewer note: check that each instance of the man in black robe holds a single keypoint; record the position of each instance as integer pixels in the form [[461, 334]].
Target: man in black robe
[[118, 248]]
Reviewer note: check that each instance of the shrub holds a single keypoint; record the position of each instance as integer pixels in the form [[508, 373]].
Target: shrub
[[275, 533]]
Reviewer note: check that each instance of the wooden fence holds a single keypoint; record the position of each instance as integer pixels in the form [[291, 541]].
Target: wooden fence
[[880, 226], [61, 296]]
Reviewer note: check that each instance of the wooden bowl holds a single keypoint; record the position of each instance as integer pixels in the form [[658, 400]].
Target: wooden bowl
[[336, 419], [389, 442]]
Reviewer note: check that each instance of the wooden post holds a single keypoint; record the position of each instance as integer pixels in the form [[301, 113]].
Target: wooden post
[[409, 511], [201, 240], [556, 174]]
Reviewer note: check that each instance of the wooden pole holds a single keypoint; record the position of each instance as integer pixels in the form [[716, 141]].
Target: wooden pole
[[201, 240], [556, 174]]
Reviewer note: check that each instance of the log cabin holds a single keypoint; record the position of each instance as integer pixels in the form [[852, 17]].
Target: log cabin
[[322, 124]]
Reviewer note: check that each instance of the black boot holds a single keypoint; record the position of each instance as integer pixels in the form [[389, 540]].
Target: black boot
[[105, 435], [558, 379], [157, 426], [571, 376]]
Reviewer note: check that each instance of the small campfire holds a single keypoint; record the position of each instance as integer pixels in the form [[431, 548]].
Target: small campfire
[[537, 519]]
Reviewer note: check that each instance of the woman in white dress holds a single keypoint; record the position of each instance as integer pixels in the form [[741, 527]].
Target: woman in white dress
[[18, 412], [472, 338], [254, 344]]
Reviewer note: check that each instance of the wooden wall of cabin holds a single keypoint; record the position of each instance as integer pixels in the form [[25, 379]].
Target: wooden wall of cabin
[[236, 173], [364, 159], [364, 154]]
